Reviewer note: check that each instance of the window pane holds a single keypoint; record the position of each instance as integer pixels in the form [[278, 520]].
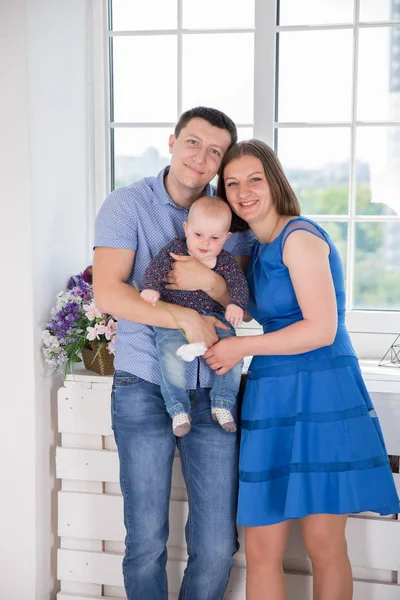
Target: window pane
[[338, 232], [223, 14], [311, 12], [229, 87], [377, 266], [152, 14], [316, 162], [245, 133], [315, 70], [379, 74], [139, 152], [378, 181], [144, 90], [382, 10]]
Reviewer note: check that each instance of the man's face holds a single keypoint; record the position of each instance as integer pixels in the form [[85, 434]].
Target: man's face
[[197, 153]]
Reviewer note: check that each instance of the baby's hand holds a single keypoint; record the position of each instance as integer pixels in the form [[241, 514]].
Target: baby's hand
[[234, 314], [150, 296]]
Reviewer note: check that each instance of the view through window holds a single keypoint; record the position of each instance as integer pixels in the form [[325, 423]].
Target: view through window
[[337, 108]]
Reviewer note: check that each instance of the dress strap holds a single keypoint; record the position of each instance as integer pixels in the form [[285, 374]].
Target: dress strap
[[304, 225]]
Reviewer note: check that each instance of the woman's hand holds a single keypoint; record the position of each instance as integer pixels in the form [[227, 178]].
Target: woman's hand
[[224, 355]]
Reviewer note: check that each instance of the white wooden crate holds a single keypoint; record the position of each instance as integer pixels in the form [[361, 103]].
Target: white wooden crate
[[91, 517], [107, 568]]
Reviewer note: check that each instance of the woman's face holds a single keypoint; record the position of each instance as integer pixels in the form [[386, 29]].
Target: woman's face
[[247, 189]]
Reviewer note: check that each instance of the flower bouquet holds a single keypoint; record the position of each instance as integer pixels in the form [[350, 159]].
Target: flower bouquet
[[78, 331]]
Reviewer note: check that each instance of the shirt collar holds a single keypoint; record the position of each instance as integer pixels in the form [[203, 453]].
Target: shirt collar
[[163, 195]]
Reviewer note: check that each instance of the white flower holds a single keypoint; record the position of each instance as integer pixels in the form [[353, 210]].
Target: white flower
[[63, 298], [188, 352], [46, 337], [50, 341], [53, 342]]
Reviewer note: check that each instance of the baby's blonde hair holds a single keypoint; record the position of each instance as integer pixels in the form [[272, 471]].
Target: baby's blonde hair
[[214, 207]]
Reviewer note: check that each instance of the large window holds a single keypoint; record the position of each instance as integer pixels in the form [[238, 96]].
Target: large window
[[164, 56], [319, 80], [338, 133]]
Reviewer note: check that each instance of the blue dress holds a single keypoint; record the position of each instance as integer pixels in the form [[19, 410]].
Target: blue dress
[[310, 441]]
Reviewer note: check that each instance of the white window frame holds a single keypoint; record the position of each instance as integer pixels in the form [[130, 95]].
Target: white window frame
[[264, 126]]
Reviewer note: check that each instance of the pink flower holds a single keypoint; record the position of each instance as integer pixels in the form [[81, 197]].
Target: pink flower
[[92, 333], [110, 330], [111, 346], [92, 312], [101, 327]]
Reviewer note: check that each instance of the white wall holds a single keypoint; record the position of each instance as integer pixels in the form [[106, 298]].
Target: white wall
[[45, 222]]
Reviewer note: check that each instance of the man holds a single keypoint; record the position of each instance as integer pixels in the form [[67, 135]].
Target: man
[[133, 224]]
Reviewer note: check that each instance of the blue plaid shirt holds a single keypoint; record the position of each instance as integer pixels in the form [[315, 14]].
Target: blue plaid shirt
[[143, 217]]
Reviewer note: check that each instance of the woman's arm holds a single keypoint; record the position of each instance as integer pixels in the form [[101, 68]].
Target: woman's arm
[[307, 258]]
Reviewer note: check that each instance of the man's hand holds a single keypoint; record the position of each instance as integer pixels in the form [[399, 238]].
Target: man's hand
[[150, 296], [199, 328], [234, 314], [188, 273]]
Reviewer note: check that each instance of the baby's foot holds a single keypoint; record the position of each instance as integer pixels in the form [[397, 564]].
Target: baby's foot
[[181, 424], [224, 418]]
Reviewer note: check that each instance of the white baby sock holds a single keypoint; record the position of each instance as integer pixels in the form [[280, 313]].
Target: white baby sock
[[224, 418], [181, 424]]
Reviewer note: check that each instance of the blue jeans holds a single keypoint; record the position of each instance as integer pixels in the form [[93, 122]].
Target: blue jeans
[[173, 373], [209, 459]]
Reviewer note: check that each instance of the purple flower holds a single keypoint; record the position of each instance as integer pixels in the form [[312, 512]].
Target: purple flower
[[71, 318], [77, 291], [73, 282]]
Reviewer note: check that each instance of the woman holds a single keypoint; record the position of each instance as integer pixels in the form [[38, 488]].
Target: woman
[[311, 445]]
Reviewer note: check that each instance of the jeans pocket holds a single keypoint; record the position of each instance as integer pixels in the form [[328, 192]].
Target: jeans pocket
[[125, 379]]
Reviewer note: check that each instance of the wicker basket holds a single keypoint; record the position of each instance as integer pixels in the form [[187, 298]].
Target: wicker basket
[[99, 361]]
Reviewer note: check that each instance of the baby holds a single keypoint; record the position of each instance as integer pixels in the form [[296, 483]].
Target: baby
[[206, 230]]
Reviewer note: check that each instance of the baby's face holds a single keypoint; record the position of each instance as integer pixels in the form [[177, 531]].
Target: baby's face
[[205, 236]]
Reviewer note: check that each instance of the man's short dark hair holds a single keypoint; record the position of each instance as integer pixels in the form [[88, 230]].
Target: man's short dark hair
[[215, 117]]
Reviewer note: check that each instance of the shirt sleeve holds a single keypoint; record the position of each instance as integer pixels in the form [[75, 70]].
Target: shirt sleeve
[[116, 222], [235, 281], [157, 269], [240, 244]]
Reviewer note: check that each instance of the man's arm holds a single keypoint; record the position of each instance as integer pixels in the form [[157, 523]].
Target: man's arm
[[113, 295]]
